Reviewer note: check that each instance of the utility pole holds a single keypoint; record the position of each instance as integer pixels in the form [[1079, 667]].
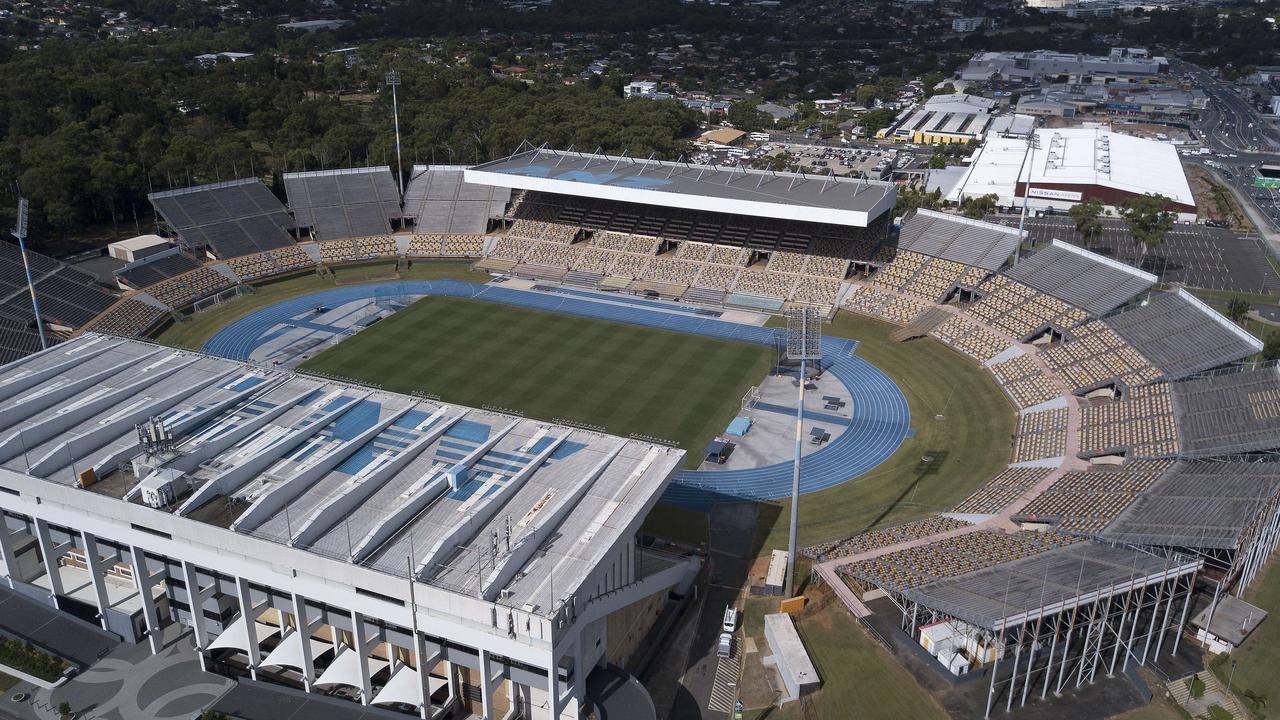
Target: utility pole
[[1032, 141], [20, 232], [393, 79], [804, 343]]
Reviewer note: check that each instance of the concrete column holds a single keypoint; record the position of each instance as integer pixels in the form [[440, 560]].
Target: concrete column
[[553, 691], [97, 573], [304, 631], [360, 638], [486, 687], [144, 581], [425, 661], [8, 560], [50, 553], [249, 612], [455, 693], [196, 597], [580, 673]]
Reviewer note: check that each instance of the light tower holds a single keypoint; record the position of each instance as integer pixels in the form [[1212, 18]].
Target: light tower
[[20, 232], [804, 343], [393, 80]]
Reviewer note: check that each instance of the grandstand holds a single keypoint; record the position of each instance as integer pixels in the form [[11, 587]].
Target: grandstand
[[440, 201], [959, 239], [68, 298], [1229, 412], [346, 203], [1084, 502], [228, 219], [1218, 508], [1180, 335], [155, 268], [1080, 278], [732, 191]]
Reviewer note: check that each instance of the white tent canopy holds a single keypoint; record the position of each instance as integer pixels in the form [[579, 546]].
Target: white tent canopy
[[403, 688], [289, 652], [345, 669], [236, 635]]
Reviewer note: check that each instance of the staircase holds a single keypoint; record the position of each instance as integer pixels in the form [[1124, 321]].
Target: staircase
[[1214, 694], [928, 320]]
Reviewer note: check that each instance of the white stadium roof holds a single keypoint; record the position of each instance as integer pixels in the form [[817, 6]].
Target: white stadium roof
[[737, 191]]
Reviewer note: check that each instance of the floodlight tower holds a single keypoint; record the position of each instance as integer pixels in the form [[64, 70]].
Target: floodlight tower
[[1033, 142], [804, 343], [20, 232], [393, 80]]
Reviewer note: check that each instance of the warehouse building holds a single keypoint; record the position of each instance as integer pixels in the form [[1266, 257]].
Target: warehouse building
[[1072, 165], [943, 119]]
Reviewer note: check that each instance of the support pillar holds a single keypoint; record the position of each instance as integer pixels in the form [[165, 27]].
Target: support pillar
[[144, 580], [306, 628], [93, 563], [1066, 650], [486, 687], [1182, 620], [363, 644], [1013, 679], [553, 691], [249, 612], [50, 554], [8, 560], [425, 663], [995, 666], [1031, 661], [196, 597], [1133, 627], [1119, 632]]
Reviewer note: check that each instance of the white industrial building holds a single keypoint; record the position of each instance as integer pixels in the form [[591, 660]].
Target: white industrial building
[[1077, 69], [425, 557], [1070, 165]]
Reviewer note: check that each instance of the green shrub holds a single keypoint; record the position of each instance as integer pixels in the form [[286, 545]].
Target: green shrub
[[21, 656], [1217, 712], [1196, 686]]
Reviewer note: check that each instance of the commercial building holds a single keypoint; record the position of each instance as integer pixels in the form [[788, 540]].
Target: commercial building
[[326, 536], [1047, 65], [943, 119], [1069, 166], [968, 24]]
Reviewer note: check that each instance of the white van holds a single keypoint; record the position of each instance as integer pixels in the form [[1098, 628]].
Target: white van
[[730, 623], [725, 649]]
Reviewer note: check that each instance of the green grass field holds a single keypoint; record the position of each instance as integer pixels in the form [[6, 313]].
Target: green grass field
[[1258, 659], [626, 378]]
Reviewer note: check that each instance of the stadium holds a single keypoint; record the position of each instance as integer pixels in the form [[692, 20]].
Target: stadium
[[404, 446]]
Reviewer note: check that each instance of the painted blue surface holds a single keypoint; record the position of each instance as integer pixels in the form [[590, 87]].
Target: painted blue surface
[[245, 384], [469, 430], [739, 426], [880, 419], [808, 414], [359, 418], [359, 459], [630, 300]]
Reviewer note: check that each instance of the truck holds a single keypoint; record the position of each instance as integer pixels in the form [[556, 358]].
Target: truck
[[725, 647]]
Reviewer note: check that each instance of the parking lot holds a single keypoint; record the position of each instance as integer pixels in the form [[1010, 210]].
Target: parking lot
[[1193, 255]]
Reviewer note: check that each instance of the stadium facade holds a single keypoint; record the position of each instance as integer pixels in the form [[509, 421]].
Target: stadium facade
[[330, 535]]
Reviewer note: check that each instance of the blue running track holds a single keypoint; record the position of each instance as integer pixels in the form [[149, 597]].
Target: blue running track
[[880, 421]]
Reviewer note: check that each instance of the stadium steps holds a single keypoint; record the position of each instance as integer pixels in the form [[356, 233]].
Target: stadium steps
[[582, 277], [922, 325], [660, 288], [705, 296], [495, 265], [1214, 694], [539, 272]]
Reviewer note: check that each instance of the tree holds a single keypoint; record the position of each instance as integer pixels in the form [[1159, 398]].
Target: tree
[[1271, 346], [937, 162], [1237, 309], [910, 198], [747, 117], [977, 207], [64, 709], [1086, 216], [1148, 220]]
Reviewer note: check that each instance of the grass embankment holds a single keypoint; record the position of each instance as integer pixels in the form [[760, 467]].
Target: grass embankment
[[625, 378]]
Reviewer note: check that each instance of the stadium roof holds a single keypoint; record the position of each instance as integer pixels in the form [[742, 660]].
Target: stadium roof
[[1013, 593], [1084, 279], [1181, 336], [237, 217], [738, 191], [347, 472], [1226, 413], [1202, 504], [960, 239], [351, 202], [441, 201]]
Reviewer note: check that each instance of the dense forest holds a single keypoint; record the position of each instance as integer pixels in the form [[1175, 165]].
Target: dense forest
[[87, 128]]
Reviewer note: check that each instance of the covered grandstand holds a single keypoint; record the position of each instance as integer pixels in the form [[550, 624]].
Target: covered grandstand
[[439, 200], [736, 190], [68, 299], [1180, 335], [346, 203], [1226, 511], [1084, 279], [1229, 412], [959, 239], [228, 219]]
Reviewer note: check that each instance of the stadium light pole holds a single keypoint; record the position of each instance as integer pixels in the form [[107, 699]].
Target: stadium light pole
[[393, 79], [804, 343], [1032, 142], [20, 232]]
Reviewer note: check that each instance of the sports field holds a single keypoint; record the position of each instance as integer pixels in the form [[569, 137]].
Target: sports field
[[626, 378]]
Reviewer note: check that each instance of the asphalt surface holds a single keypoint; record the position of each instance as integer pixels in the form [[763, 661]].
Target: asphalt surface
[[57, 632]]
